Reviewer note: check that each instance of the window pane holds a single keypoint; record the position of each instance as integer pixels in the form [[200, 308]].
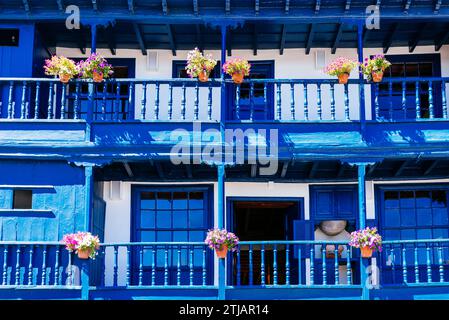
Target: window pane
[[408, 218], [147, 200], [196, 218], [392, 218], [407, 199], [180, 219], [147, 218], [424, 233], [196, 200], [391, 199], [196, 236], [23, 199], [147, 236], [424, 217], [164, 200], [163, 219], [408, 234], [439, 199], [180, 200], [440, 216], [423, 199]]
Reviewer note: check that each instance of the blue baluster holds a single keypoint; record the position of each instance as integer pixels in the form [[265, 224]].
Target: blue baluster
[[393, 266], [143, 102], [251, 101], [63, 100], [128, 265], [190, 266], [306, 103], [416, 265], [238, 267], [275, 265], [319, 107], [323, 258], [178, 267], [440, 264], [262, 265], [390, 93], [118, 102], [346, 102], [209, 103], [312, 271], [44, 265], [332, 101], [204, 267], [237, 102], [287, 264], [404, 264], [417, 100], [348, 265], [428, 264], [69, 269], [103, 267], [196, 108], [37, 100], [166, 266], [77, 101], [115, 266], [265, 100], [278, 102], [183, 102], [336, 271], [50, 100], [30, 266], [23, 104], [141, 266], [56, 282], [431, 111], [131, 101], [156, 101], [11, 101], [444, 99], [170, 101], [5, 265], [292, 100], [250, 252], [376, 101], [404, 100], [153, 266], [17, 266], [299, 266]]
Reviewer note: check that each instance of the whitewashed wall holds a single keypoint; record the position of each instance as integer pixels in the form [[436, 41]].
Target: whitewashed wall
[[293, 64]]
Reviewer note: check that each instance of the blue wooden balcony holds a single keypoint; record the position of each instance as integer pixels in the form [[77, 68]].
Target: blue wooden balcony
[[260, 269]]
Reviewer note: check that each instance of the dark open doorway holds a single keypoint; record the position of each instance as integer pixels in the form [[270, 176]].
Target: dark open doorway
[[263, 221]]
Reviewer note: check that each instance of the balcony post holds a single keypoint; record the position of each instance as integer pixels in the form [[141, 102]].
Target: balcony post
[[85, 280], [93, 39], [361, 167], [360, 27], [221, 224], [88, 190], [224, 99]]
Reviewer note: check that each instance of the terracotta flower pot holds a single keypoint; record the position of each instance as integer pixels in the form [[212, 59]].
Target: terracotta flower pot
[[377, 76], [64, 77], [203, 76], [367, 252], [238, 77], [98, 77], [222, 253], [343, 78], [83, 254]]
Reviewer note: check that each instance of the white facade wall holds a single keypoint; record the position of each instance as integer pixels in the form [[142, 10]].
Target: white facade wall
[[293, 64]]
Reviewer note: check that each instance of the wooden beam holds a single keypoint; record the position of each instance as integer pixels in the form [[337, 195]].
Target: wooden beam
[[255, 43], [407, 5], [189, 171], [131, 6], [402, 168], [431, 167], [253, 170], [310, 38], [418, 35], [171, 39], [282, 43], [313, 170], [337, 38], [128, 169], [164, 7], [287, 6], [26, 6], [139, 37], [341, 170], [195, 7], [442, 40], [389, 40], [284, 169], [371, 170], [159, 169]]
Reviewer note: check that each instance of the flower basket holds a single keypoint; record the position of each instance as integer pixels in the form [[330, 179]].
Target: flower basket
[[377, 76], [83, 243], [238, 69], [61, 67], [221, 241], [375, 67], [367, 240], [199, 65], [83, 254], [98, 77], [343, 78], [95, 67]]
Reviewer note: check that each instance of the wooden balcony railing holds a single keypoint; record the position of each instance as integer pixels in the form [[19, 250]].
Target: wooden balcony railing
[[298, 100]]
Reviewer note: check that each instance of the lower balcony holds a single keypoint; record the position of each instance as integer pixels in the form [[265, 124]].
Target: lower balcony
[[406, 269]]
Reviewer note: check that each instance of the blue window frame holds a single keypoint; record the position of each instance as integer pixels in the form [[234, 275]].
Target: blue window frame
[[171, 214]]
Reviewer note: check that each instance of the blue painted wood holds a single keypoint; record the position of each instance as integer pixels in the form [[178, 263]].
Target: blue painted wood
[[209, 103], [117, 102], [170, 101], [5, 265], [156, 101], [416, 265], [196, 102], [153, 266], [37, 100], [428, 264], [265, 101], [312, 269], [51, 93], [17, 269], [278, 102], [115, 267], [128, 266], [306, 103], [404, 264], [319, 107], [238, 268], [431, 106], [440, 264], [287, 264], [376, 101], [404, 99], [30, 265], [203, 267], [346, 98], [178, 266], [332, 88], [275, 266], [141, 265], [349, 279], [390, 93], [10, 101], [292, 100], [77, 100], [250, 257], [23, 105], [103, 266], [131, 101], [444, 99], [69, 271], [190, 266], [63, 101], [324, 266], [166, 266], [44, 265], [417, 100], [299, 266], [251, 103], [143, 101], [336, 271], [237, 102], [183, 102], [56, 272], [262, 265]]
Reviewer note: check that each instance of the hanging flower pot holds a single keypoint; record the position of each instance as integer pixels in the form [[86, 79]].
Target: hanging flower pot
[[237, 77], [84, 254], [221, 253], [65, 77], [203, 76], [343, 78], [98, 77], [377, 76], [367, 252]]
